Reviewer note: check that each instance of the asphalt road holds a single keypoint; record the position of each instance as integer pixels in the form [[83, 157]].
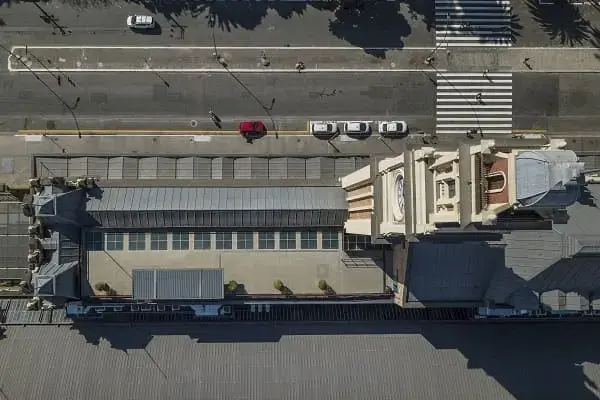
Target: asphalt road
[[171, 101], [556, 102], [384, 24]]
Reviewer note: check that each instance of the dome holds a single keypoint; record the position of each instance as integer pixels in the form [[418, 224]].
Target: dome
[[547, 178]]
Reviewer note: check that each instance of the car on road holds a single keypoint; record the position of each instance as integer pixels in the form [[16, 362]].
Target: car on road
[[392, 128], [252, 128], [141, 21], [323, 128], [357, 127]]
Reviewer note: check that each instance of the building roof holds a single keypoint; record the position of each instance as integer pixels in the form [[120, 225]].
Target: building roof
[[14, 238], [547, 178], [552, 268], [57, 280], [178, 284], [219, 207], [295, 361], [451, 272]]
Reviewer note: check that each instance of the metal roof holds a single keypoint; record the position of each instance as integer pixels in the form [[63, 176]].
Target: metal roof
[[170, 284], [545, 178], [219, 207], [452, 272], [57, 280]]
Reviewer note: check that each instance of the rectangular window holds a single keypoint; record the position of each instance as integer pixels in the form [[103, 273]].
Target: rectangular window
[[330, 240], [308, 240], [137, 241], [202, 241], [114, 241], [357, 242], [223, 240], [158, 241], [287, 240], [266, 240], [245, 240], [181, 241], [94, 241]]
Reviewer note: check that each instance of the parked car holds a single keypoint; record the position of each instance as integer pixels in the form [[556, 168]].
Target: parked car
[[392, 128], [323, 128], [357, 127], [252, 128], [141, 21]]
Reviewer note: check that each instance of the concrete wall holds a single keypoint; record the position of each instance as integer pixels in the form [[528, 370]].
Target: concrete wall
[[255, 269]]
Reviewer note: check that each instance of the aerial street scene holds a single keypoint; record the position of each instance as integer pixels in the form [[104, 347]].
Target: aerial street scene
[[288, 199]]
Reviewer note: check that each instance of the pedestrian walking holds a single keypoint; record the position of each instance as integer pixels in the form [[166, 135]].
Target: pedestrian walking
[[479, 97], [300, 66]]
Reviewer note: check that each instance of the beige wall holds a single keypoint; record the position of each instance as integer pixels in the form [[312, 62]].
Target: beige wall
[[255, 269]]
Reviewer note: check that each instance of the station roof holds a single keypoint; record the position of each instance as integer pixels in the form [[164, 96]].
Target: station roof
[[557, 268], [218, 207]]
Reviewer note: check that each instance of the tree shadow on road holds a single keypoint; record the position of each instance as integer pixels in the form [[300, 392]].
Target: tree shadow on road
[[378, 22], [561, 20]]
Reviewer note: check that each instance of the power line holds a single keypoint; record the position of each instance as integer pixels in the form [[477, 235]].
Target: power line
[[212, 24], [68, 107]]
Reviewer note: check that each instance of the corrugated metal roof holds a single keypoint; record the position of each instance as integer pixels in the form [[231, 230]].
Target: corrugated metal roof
[[153, 284], [219, 207]]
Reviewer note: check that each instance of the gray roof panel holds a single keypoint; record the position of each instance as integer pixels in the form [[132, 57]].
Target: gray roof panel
[[154, 284]]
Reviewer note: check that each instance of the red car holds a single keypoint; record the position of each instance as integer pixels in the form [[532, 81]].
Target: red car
[[252, 128]]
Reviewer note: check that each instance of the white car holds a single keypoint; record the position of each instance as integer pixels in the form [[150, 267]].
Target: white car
[[357, 127], [141, 21], [392, 127], [323, 127]]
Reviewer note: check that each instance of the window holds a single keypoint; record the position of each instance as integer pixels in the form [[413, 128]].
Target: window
[[158, 241], [202, 240], [181, 241], [137, 241], [330, 240], [266, 240], [308, 240], [114, 241], [287, 240], [245, 240], [357, 242], [223, 240], [94, 241]]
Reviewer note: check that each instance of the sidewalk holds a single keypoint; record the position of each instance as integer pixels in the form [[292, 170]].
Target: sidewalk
[[565, 60], [202, 59]]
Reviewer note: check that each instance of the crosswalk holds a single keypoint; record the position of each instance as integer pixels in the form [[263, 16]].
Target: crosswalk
[[469, 101], [473, 23]]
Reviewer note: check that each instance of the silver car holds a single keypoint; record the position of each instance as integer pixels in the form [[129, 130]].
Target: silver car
[[141, 22], [357, 127], [323, 127], [392, 128]]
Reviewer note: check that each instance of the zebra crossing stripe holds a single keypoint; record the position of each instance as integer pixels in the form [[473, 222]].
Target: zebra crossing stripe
[[479, 101], [473, 23]]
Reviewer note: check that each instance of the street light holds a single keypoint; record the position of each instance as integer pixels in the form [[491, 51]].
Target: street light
[[68, 107]]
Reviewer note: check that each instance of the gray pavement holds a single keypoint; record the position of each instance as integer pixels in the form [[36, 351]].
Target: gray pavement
[[385, 24], [108, 101], [516, 59], [203, 59]]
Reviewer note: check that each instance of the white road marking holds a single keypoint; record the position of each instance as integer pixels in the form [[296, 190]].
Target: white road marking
[[458, 109], [473, 23], [291, 48], [220, 70]]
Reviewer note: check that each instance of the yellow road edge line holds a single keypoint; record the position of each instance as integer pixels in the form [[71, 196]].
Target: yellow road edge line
[[529, 130], [138, 131]]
